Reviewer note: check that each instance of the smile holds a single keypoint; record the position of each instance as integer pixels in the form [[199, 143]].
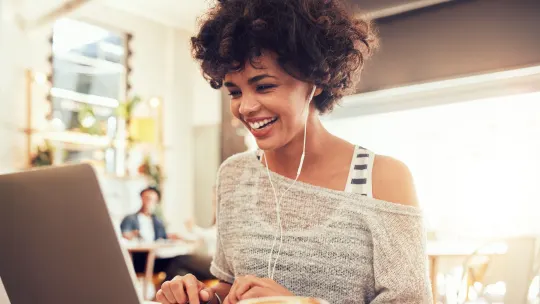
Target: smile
[[259, 125]]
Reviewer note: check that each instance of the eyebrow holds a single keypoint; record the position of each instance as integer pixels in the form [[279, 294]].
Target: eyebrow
[[251, 80]]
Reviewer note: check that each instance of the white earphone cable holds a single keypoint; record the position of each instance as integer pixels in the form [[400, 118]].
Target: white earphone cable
[[272, 270]]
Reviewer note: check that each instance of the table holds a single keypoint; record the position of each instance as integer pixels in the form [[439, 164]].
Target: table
[[457, 249], [436, 250], [160, 249]]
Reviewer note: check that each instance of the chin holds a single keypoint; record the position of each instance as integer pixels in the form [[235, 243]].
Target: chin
[[268, 144]]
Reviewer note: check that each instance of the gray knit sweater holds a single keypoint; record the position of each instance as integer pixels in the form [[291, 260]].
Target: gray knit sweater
[[338, 246]]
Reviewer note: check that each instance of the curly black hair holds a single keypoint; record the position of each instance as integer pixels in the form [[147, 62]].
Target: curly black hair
[[316, 41]]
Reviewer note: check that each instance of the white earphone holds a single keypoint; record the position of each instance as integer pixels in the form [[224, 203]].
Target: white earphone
[[272, 270]]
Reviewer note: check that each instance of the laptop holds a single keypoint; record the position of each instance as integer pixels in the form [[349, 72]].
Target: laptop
[[57, 240]]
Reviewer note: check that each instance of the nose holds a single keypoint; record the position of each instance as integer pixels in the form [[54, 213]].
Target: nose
[[248, 106]]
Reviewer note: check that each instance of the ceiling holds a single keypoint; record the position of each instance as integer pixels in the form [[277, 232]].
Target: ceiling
[[183, 13], [376, 5], [31, 10], [176, 13]]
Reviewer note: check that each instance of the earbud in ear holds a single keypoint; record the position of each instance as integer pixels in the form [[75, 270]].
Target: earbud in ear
[[312, 94]]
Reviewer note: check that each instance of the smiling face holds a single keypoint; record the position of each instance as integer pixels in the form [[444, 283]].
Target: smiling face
[[271, 103]]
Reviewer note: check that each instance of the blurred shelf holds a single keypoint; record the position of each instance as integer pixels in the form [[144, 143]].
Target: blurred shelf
[[78, 139], [103, 65], [85, 98]]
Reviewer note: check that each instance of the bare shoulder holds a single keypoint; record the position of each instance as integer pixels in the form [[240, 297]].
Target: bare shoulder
[[393, 181]]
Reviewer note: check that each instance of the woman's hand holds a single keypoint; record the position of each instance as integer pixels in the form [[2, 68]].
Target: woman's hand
[[182, 290], [249, 287]]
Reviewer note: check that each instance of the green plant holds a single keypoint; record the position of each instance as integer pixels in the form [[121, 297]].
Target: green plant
[[125, 111], [87, 121], [126, 108], [44, 155], [152, 171]]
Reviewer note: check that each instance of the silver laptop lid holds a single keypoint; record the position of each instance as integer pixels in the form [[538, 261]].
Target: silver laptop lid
[[57, 241]]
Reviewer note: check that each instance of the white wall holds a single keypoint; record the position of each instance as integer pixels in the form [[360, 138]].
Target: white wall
[[162, 66], [207, 160], [475, 164], [19, 51], [206, 147], [207, 106]]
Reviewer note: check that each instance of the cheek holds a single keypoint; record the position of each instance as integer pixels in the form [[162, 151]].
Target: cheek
[[234, 107], [280, 105], [290, 112]]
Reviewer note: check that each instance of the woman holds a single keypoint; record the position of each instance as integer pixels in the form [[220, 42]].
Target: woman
[[311, 214]]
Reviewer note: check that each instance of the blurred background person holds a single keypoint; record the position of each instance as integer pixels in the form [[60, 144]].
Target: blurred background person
[[144, 226]]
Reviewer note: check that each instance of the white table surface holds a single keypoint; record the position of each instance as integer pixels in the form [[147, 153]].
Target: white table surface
[[166, 249]]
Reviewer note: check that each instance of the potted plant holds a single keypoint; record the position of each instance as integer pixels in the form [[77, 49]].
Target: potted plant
[[44, 155]]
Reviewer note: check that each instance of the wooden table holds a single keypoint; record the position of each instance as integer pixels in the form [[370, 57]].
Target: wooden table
[[456, 249], [156, 250]]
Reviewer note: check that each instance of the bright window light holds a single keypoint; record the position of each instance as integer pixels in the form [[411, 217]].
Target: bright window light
[[74, 34], [476, 164]]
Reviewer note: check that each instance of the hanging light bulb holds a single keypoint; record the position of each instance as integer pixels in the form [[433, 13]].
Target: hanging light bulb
[[154, 102], [40, 78]]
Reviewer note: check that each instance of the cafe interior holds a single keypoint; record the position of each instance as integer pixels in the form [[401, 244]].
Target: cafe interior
[[453, 92]]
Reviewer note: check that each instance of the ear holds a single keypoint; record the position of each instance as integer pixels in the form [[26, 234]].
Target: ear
[[318, 92]]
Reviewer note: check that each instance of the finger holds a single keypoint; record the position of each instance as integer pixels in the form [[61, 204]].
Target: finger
[[243, 284], [227, 300], [160, 297], [232, 290], [191, 285], [167, 292], [246, 284], [206, 294], [177, 289], [255, 292]]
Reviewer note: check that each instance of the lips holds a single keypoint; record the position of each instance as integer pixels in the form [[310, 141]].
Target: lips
[[261, 127], [262, 123]]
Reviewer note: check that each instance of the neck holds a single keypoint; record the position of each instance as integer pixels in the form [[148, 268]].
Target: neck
[[286, 159]]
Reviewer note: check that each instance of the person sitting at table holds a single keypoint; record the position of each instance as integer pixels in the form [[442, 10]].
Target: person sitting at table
[[147, 227]]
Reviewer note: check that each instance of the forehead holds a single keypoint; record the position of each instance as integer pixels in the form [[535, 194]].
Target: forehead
[[264, 64], [149, 193]]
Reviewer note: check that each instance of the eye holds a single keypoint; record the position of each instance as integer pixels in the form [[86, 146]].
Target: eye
[[265, 87], [235, 94]]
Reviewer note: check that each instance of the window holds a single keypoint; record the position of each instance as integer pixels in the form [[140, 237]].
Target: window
[[89, 80], [476, 164]]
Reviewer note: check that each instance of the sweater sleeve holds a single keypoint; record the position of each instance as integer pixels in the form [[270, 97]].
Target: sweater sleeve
[[220, 266], [400, 262]]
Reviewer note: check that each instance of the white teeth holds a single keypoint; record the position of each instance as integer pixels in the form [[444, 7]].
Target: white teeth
[[260, 124]]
